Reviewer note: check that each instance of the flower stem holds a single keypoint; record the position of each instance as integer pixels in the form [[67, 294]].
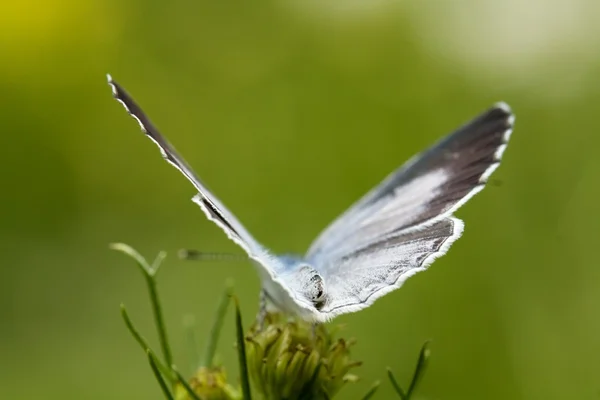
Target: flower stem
[[157, 309]]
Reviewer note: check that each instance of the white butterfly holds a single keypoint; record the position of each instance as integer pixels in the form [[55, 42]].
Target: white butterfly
[[396, 230]]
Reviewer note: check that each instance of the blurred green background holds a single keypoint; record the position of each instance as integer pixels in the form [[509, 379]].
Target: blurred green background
[[290, 110]]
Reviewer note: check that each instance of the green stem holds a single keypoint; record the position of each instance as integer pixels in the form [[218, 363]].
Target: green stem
[[158, 317]]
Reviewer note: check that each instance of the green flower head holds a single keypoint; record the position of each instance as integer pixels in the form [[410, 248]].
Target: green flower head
[[290, 360]]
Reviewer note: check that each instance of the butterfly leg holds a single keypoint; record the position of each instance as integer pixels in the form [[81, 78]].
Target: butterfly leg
[[262, 310], [316, 332]]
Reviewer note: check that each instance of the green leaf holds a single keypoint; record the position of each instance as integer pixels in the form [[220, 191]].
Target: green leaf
[[189, 324], [158, 376], [241, 348], [160, 257], [215, 330], [185, 384], [371, 391], [149, 272], [140, 261], [417, 375], [420, 369], [396, 385], [144, 344]]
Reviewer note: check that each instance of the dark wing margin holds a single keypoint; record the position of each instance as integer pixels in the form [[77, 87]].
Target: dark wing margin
[[469, 155], [429, 187], [212, 207]]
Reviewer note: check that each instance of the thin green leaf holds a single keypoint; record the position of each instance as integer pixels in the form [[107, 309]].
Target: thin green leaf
[[371, 391], [189, 324], [144, 344], [149, 272], [396, 385], [215, 330], [132, 329], [241, 348], [185, 384], [420, 369], [158, 376], [140, 261], [160, 257]]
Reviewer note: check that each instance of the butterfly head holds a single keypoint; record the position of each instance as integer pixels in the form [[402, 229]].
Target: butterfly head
[[314, 287], [306, 284]]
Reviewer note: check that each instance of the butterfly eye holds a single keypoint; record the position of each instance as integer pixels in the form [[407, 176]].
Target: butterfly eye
[[320, 293]]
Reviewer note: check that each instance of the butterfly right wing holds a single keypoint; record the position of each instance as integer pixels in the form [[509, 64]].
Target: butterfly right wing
[[407, 221], [427, 188], [270, 266]]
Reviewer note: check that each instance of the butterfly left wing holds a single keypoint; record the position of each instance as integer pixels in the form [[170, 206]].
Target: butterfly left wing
[[402, 225], [212, 207], [269, 267]]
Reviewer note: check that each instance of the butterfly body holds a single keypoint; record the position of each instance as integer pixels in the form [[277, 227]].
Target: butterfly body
[[395, 231]]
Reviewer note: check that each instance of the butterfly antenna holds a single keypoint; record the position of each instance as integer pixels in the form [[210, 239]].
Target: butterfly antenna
[[197, 255], [496, 182]]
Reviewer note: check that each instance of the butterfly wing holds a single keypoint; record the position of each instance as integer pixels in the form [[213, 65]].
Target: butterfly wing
[[406, 222], [270, 267]]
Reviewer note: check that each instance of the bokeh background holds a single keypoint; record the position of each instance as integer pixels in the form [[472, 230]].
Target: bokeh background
[[290, 110]]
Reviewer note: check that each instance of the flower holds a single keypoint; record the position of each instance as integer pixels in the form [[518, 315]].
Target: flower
[[293, 359]]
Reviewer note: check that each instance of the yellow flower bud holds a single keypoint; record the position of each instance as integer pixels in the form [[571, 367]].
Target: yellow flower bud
[[209, 384]]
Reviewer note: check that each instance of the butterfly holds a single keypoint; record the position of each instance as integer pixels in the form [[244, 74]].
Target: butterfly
[[396, 230]]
